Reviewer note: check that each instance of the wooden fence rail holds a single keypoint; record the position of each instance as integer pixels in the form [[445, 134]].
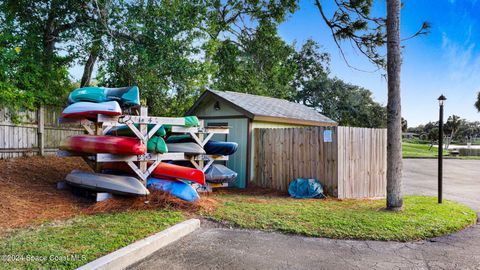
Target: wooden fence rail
[[349, 162], [35, 132]]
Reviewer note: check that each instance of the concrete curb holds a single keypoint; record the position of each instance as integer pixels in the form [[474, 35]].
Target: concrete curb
[[137, 251]]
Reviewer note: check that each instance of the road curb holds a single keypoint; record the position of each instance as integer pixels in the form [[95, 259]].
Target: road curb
[[137, 251]]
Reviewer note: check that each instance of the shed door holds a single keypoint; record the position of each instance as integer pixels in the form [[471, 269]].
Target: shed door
[[238, 133]]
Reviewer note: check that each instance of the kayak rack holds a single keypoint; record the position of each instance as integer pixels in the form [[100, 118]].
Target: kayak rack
[[139, 163]]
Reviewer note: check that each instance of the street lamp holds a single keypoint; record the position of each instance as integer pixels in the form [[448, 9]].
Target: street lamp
[[441, 100]]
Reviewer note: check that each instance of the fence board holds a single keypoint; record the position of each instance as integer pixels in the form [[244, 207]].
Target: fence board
[[21, 138], [353, 165]]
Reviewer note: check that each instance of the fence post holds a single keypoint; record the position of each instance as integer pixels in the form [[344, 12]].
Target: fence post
[[40, 130]]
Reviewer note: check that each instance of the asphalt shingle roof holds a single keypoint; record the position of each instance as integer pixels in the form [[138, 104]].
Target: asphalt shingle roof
[[273, 107]]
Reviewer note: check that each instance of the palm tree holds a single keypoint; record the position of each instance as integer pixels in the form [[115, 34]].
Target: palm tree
[[453, 124]]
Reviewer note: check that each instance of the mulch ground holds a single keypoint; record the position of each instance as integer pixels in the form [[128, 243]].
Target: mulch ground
[[28, 194]]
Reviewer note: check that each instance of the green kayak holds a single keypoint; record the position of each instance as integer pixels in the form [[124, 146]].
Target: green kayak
[[190, 121], [156, 144], [125, 96], [124, 130]]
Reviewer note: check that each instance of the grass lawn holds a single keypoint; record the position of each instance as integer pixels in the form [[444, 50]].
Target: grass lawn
[[416, 150], [350, 219], [419, 150], [88, 237]]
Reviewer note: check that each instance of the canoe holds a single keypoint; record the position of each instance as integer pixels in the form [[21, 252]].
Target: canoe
[[124, 130], [156, 144], [125, 96], [89, 110], [163, 171], [211, 147], [189, 148], [116, 184], [217, 173], [103, 144], [176, 188]]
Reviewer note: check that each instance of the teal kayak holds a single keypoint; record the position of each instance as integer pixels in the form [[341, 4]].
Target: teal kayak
[[126, 96]]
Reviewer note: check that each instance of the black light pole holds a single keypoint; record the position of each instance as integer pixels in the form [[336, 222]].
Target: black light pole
[[441, 100]]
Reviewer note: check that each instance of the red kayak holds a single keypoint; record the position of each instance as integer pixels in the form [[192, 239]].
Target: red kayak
[[163, 171], [104, 144], [167, 170]]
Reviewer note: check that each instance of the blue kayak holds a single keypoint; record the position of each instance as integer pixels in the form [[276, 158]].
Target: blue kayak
[[211, 147], [220, 148], [178, 189]]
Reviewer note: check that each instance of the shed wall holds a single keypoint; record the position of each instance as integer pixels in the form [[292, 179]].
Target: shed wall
[[239, 134]]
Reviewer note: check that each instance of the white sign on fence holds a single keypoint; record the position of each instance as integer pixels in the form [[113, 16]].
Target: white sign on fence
[[327, 135]]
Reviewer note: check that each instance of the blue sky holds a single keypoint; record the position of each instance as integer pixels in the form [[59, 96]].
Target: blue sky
[[446, 61]]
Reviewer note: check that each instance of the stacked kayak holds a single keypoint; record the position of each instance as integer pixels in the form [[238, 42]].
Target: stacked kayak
[[210, 148], [88, 110], [116, 184], [189, 148], [162, 171], [126, 96], [118, 177], [178, 189], [103, 144], [218, 173]]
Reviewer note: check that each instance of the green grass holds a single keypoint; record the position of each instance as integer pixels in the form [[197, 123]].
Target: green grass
[[349, 219], [419, 150], [416, 150], [88, 237]]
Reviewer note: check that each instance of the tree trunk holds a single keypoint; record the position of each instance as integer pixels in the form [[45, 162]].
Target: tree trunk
[[394, 117]]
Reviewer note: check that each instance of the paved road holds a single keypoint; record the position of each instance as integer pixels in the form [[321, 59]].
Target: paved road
[[220, 248], [461, 179]]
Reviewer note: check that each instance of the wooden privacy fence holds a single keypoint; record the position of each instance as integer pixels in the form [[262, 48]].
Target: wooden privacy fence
[[37, 132], [349, 162]]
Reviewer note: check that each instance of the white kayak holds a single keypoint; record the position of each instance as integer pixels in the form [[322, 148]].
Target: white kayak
[[115, 184], [188, 148], [90, 110]]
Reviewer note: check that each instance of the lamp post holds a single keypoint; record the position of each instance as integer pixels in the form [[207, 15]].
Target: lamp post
[[441, 100]]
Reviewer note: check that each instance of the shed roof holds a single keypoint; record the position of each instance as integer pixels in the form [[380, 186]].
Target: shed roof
[[262, 108]]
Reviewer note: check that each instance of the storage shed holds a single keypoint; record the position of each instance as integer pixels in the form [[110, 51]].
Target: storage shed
[[245, 112]]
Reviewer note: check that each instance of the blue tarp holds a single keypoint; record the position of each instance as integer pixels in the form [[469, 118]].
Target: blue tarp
[[302, 188]]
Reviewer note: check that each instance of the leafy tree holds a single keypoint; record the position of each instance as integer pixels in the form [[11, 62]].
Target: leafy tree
[[245, 52], [345, 103], [261, 64], [38, 74], [152, 44]]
